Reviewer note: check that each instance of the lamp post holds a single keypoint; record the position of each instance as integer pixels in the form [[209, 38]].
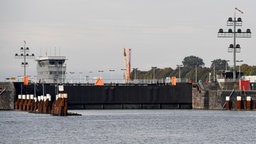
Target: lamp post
[[235, 33], [154, 73], [80, 74], [90, 76], [179, 66], [124, 75], [196, 74], [24, 55], [111, 71], [214, 71], [135, 73], [239, 68], [71, 76], [100, 71], [227, 65]]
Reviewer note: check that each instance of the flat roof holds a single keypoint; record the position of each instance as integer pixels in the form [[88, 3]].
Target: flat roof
[[41, 58]]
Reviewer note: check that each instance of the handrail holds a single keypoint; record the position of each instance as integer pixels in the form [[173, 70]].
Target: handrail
[[2, 91]]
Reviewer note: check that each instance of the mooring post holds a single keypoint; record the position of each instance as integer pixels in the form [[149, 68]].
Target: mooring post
[[17, 103], [227, 103], [248, 103], [238, 102], [21, 102]]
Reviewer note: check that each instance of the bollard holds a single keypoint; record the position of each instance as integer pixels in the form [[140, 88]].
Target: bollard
[[238, 102], [227, 103], [248, 103]]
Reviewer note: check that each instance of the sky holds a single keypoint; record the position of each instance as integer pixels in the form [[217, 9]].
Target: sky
[[93, 33]]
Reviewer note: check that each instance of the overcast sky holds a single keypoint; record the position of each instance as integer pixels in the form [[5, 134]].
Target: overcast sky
[[93, 33]]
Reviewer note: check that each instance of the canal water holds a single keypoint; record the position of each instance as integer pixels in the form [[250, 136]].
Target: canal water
[[129, 127]]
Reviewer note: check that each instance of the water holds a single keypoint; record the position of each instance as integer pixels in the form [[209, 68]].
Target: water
[[129, 126]]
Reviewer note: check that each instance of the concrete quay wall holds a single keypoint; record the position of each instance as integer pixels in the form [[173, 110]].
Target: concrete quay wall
[[216, 99]]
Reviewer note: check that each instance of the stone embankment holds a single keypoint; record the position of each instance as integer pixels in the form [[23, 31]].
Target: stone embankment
[[7, 95]]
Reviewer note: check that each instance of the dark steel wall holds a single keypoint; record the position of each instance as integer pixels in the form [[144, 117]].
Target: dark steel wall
[[150, 94]]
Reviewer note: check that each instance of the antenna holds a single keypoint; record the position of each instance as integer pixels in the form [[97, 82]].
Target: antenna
[[239, 10]]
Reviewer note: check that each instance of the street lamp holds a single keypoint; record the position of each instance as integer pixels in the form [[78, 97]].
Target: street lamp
[[111, 70], [234, 33], [196, 74], [71, 76], [135, 73], [239, 68], [179, 72], [100, 71], [227, 64], [80, 74], [154, 73], [214, 71]]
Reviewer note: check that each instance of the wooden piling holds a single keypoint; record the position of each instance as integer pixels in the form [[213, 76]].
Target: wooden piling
[[238, 102], [60, 106], [17, 103], [227, 103], [21, 102], [248, 103]]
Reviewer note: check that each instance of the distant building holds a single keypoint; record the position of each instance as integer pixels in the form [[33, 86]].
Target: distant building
[[51, 69]]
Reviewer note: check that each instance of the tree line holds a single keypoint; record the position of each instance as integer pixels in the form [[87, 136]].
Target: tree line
[[192, 68]]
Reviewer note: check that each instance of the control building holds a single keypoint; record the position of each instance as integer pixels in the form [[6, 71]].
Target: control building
[[51, 69]]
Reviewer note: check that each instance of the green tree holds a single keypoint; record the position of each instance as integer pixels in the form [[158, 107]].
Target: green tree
[[219, 64], [192, 62]]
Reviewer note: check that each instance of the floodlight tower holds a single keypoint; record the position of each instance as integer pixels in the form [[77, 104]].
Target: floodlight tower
[[24, 55], [235, 33]]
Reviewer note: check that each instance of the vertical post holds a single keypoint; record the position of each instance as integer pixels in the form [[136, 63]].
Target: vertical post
[[214, 73], [227, 65], [179, 72], [248, 103], [234, 51], [24, 53], [135, 73], [238, 102], [196, 74], [227, 103]]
